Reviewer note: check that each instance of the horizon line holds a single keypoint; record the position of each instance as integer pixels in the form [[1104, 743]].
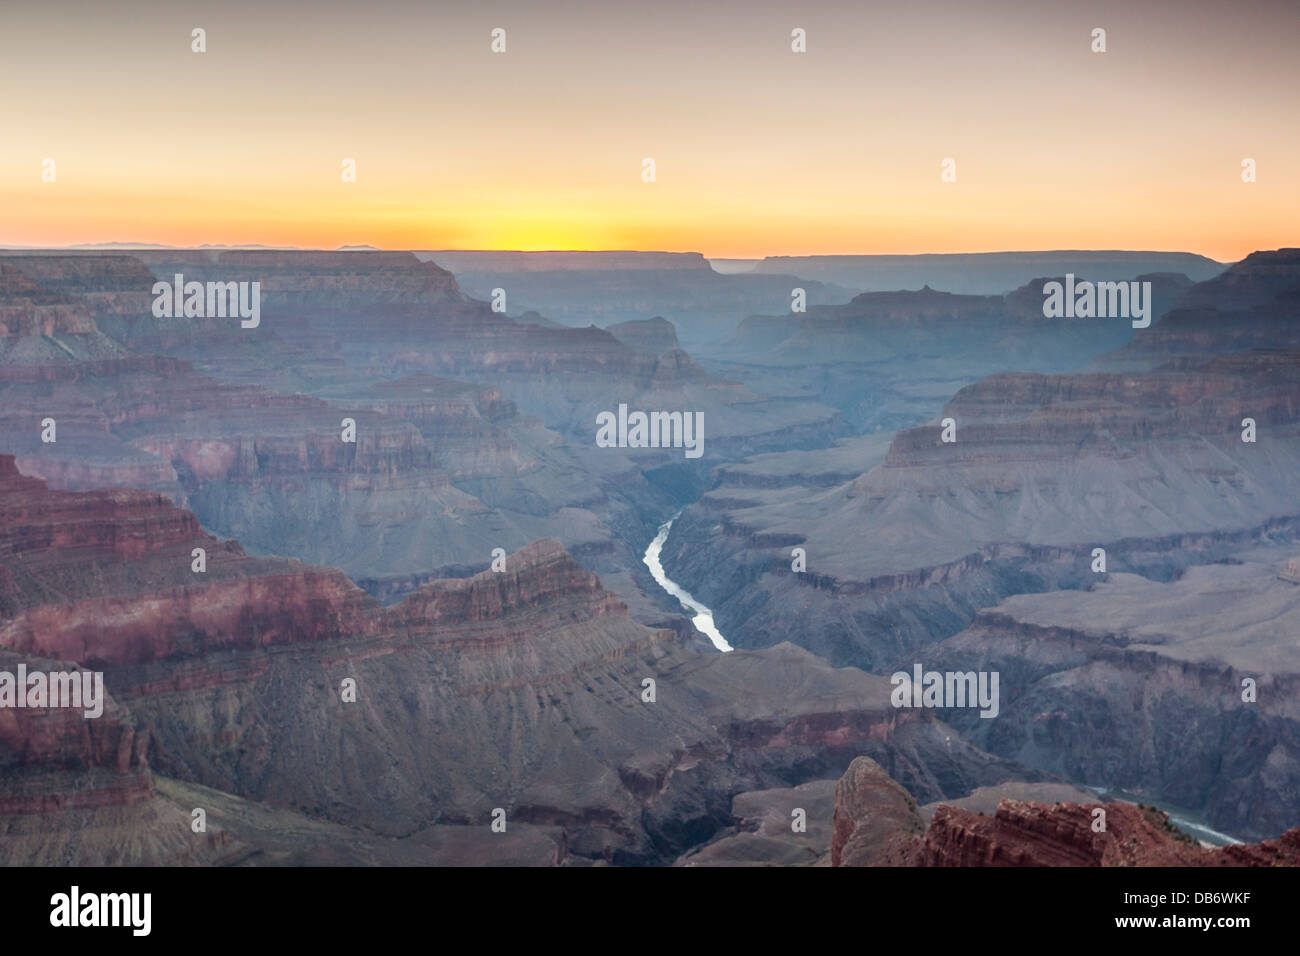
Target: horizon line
[[128, 246]]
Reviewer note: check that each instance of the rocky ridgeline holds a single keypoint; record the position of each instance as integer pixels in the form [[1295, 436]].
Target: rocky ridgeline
[[877, 823], [239, 453], [985, 272], [28, 309], [1258, 284], [889, 360], [1042, 469], [1142, 685], [41, 325], [656, 335], [581, 289], [1254, 304], [416, 321], [325, 281], [232, 678], [940, 333], [108, 285]]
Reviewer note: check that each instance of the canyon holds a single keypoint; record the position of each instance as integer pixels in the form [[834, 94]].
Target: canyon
[[912, 544], [521, 689], [478, 570]]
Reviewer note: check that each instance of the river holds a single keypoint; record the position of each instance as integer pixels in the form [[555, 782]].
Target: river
[[703, 616], [1190, 823]]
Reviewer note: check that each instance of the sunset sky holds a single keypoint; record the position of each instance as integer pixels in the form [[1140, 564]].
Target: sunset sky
[[759, 151]]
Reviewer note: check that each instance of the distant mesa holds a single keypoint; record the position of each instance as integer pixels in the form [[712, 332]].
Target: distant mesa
[[489, 260], [985, 273], [656, 335]]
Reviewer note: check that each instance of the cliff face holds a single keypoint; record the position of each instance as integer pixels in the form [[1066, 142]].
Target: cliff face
[[51, 544], [42, 325], [656, 335], [1139, 684], [415, 494], [108, 285], [58, 759], [876, 821], [487, 434], [581, 289], [238, 453], [1254, 304], [888, 360], [234, 679], [1032, 834], [329, 281], [28, 309], [1261, 281], [877, 824], [1043, 469]]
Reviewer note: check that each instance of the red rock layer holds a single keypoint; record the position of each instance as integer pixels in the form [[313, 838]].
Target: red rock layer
[[26, 308], [877, 823], [122, 522], [109, 284], [1022, 833], [1018, 417]]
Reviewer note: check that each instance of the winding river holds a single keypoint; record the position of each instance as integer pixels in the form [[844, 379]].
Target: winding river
[[1190, 822], [1186, 821], [703, 616]]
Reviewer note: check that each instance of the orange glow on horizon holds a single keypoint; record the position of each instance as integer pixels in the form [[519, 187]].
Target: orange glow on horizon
[[758, 151]]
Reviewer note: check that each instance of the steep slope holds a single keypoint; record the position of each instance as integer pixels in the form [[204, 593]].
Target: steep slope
[[1254, 304], [522, 689], [889, 359], [1044, 469], [601, 288], [1142, 685], [442, 471], [877, 823]]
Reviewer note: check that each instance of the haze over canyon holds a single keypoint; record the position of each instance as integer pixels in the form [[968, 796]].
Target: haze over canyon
[[362, 580]]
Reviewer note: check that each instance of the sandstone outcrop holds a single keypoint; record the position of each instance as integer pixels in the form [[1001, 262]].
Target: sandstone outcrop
[[877, 824]]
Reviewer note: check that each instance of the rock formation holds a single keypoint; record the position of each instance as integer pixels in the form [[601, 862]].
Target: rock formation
[[877, 823], [521, 689]]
